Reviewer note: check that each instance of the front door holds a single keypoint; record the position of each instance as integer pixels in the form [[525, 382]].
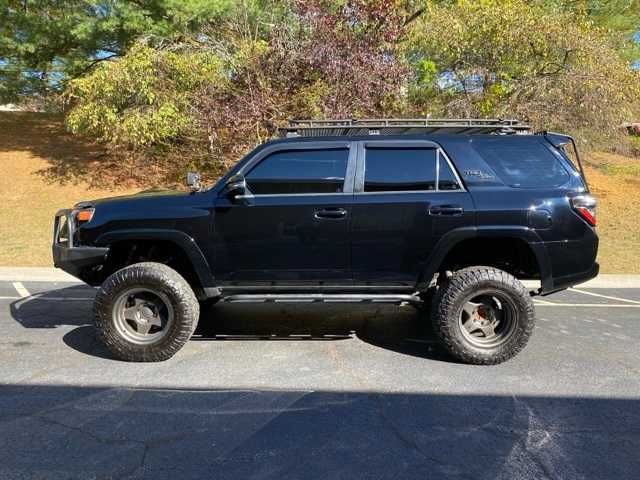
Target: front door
[[292, 229], [407, 196]]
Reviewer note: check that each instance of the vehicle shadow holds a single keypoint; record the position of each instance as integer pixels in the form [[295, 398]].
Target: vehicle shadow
[[404, 330], [74, 432]]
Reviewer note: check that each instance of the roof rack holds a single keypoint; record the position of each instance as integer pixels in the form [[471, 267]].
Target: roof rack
[[402, 126]]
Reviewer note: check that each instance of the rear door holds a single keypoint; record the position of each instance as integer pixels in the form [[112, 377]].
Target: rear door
[[406, 197], [293, 227]]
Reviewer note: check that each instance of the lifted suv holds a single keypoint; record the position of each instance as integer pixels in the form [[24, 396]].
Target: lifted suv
[[446, 213]]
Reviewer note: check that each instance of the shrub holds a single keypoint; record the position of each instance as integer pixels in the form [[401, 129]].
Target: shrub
[[141, 105]]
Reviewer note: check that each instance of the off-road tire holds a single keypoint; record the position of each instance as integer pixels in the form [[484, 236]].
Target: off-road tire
[[450, 299], [161, 278]]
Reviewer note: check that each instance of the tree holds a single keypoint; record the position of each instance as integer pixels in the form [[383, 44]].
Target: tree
[[621, 19], [266, 63], [263, 62], [322, 59], [514, 58], [43, 43]]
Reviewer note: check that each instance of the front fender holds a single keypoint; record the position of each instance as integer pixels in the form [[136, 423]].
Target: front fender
[[179, 238]]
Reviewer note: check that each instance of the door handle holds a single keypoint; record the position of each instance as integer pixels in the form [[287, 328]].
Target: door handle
[[441, 210], [331, 213]]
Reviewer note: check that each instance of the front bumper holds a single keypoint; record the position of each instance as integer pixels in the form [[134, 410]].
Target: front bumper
[[74, 259]]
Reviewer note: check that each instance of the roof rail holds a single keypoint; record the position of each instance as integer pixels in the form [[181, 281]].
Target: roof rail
[[401, 126]]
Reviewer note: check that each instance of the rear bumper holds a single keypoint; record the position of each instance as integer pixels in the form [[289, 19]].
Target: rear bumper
[[571, 262], [76, 260], [562, 283]]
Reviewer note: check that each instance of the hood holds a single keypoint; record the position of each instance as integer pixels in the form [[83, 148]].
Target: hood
[[154, 193]]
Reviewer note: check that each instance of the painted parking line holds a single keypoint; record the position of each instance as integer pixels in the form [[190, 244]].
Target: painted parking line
[[608, 297], [589, 305], [543, 302], [23, 292]]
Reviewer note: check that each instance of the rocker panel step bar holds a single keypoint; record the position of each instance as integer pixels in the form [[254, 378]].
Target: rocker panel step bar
[[321, 298]]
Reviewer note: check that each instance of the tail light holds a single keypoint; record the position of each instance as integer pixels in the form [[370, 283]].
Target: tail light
[[585, 206]]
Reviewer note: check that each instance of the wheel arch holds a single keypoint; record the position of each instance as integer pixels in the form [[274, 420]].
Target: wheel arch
[[515, 240], [192, 263]]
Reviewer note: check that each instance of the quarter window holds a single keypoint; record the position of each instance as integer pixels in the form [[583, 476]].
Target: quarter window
[[300, 171], [523, 162], [400, 169]]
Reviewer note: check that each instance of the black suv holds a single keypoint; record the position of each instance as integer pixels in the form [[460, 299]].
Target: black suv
[[449, 214]]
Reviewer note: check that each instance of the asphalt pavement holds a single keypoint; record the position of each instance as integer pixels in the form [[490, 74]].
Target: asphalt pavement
[[321, 391]]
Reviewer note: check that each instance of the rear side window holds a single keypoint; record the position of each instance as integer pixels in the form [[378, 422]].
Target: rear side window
[[522, 162], [399, 169], [300, 171]]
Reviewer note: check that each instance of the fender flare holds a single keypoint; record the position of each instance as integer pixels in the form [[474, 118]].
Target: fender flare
[[452, 238], [183, 241]]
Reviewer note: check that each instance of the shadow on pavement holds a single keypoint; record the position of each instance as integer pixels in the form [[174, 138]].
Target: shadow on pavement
[[50, 431], [401, 329], [55, 308]]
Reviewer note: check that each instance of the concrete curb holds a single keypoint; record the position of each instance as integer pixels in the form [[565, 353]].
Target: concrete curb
[[35, 274], [613, 280], [48, 274], [605, 280]]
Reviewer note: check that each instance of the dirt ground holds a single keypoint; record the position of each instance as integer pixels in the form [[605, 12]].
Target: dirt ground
[[36, 160], [43, 168]]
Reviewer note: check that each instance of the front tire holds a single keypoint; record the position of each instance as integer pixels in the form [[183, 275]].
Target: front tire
[[483, 315], [145, 312]]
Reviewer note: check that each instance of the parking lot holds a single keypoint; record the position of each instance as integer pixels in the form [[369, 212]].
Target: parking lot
[[277, 391]]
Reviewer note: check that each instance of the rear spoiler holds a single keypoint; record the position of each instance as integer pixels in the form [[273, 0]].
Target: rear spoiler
[[560, 140]]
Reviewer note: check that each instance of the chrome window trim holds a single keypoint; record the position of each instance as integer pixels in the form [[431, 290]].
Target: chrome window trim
[[453, 170], [264, 195]]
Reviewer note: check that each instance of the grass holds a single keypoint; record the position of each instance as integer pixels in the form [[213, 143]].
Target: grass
[[615, 181], [30, 143], [40, 162]]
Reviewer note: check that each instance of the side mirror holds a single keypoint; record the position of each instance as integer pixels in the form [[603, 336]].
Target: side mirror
[[193, 181], [235, 185]]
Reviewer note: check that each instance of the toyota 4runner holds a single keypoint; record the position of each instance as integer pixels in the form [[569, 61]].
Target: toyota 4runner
[[450, 214]]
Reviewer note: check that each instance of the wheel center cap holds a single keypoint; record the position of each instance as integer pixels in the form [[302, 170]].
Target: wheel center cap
[[146, 312], [484, 315]]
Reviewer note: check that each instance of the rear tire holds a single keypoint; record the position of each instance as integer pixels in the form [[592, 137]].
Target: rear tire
[[483, 316], [145, 312]]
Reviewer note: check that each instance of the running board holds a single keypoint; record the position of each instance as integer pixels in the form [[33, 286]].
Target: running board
[[321, 298]]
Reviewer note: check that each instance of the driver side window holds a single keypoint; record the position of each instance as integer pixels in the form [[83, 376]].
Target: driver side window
[[300, 171]]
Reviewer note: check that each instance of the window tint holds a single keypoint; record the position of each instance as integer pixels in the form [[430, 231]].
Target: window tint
[[522, 162], [446, 178], [299, 171], [399, 169]]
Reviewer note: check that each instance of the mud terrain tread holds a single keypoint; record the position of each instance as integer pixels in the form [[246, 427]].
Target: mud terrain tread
[[445, 321], [184, 302]]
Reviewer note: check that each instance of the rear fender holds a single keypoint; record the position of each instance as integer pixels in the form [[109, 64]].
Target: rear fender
[[452, 238]]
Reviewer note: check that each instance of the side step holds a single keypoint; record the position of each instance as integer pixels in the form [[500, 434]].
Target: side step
[[321, 298]]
